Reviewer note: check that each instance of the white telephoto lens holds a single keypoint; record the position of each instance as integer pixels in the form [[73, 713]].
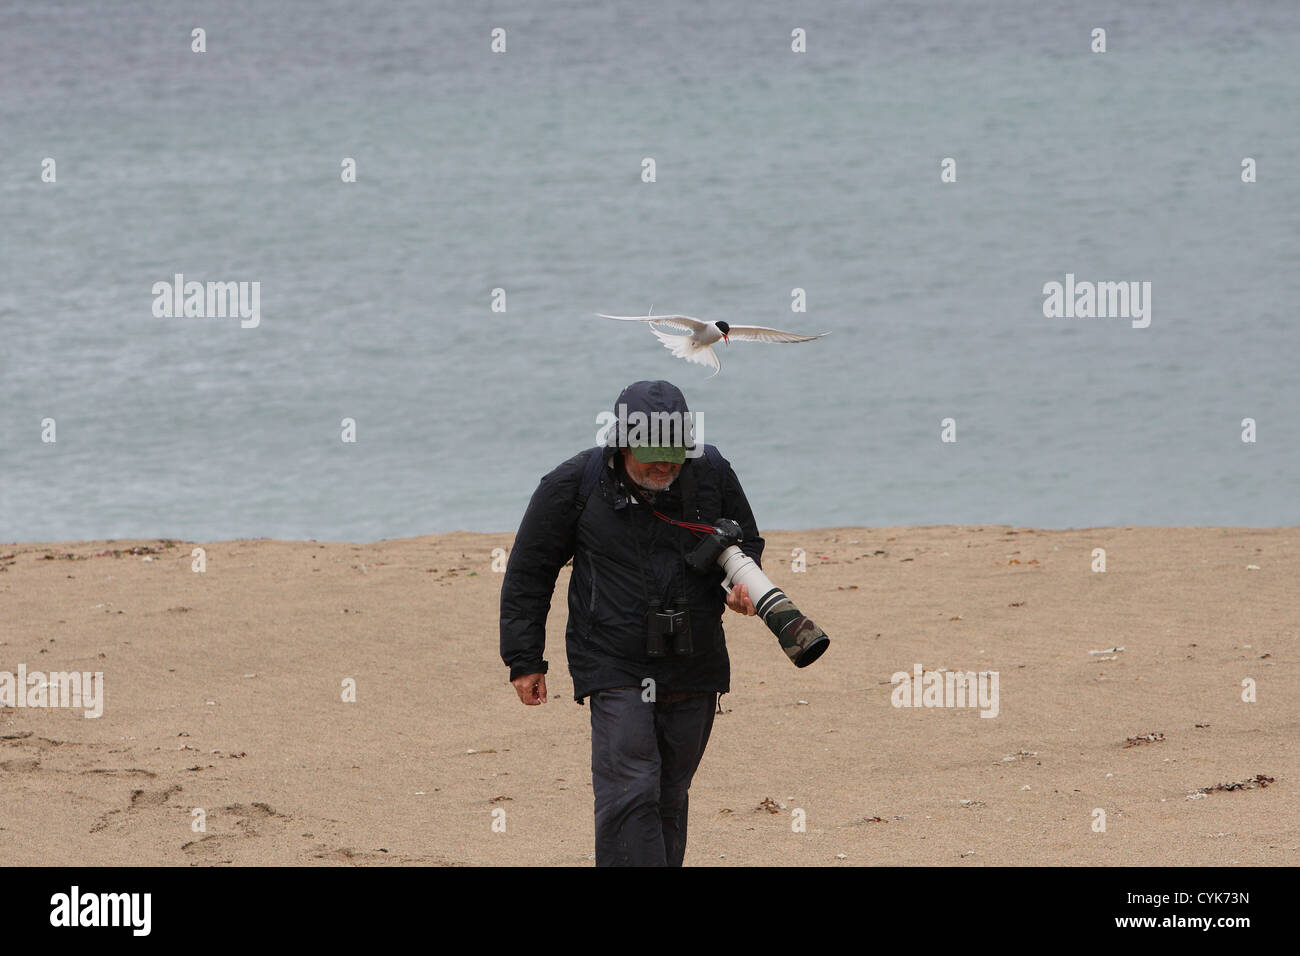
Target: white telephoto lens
[[801, 639]]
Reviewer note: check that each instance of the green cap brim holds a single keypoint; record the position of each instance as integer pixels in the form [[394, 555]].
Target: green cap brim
[[646, 454]]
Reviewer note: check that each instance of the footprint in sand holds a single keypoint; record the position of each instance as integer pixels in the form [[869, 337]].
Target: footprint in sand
[[20, 765]]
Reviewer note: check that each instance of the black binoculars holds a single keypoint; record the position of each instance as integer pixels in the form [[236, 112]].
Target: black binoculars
[[668, 630]]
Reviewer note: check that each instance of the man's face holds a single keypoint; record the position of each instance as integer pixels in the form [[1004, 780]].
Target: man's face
[[656, 476]]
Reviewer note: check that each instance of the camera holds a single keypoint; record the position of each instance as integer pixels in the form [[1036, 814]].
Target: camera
[[801, 639], [705, 556]]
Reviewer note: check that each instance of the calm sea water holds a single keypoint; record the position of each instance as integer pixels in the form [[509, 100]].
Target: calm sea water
[[522, 171]]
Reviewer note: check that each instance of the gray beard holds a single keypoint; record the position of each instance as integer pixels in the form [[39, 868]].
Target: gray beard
[[649, 494]]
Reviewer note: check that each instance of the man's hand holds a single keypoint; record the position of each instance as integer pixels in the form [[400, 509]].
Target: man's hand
[[738, 600], [531, 688]]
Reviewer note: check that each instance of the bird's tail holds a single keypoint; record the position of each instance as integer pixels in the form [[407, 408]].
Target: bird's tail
[[684, 347], [679, 344]]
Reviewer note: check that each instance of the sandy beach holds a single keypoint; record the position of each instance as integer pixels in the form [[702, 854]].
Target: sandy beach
[[224, 693]]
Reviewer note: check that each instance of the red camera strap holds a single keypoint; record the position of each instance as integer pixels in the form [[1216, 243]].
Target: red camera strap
[[695, 527]]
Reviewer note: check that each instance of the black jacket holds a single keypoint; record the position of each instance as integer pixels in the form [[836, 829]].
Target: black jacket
[[621, 555]]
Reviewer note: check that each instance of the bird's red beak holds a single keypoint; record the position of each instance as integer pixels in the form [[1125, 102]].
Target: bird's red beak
[[726, 338]]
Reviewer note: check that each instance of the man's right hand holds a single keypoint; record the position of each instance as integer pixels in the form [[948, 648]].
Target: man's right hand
[[531, 688]]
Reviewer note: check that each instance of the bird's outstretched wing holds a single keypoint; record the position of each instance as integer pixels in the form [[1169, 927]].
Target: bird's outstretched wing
[[688, 325], [683, 347], [676, 326], [756, 333]]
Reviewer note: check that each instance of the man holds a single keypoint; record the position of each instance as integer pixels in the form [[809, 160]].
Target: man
[[644, 635]]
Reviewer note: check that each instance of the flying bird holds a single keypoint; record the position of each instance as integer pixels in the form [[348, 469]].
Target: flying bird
[[693, 339]]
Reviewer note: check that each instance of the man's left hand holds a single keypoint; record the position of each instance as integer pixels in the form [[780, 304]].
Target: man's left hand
[[738, 600]]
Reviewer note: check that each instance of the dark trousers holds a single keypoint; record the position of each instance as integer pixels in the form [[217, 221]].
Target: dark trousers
[[643, 756]]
